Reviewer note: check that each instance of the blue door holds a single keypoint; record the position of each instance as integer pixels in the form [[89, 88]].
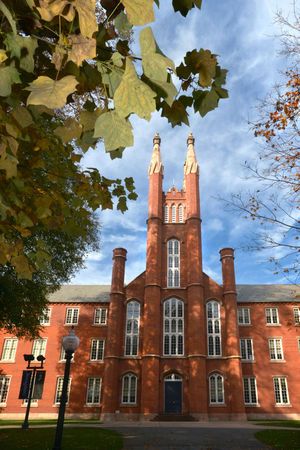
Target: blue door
[[173, 396]]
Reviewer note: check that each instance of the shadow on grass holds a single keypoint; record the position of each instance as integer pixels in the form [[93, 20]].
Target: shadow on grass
[[278, 423], [280, 439], [73, 439]]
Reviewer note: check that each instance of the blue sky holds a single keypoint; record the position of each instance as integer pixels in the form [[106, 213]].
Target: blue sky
[[242, 34]]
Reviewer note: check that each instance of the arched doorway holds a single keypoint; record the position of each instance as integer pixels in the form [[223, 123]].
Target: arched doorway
[[173, 393]]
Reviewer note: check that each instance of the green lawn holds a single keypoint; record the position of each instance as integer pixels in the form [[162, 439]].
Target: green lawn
[[73, 439], [280, 439], [4, 422], [279, 423]]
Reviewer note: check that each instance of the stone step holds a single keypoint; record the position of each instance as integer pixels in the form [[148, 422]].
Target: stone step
[[174, 418]]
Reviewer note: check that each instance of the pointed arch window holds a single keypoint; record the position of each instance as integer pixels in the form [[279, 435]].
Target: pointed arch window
[[173, 327], [173, 210], [180, 213], [132, 328], [166, 213], [216, 389], [129, 388], [213, 328], [173, 263]]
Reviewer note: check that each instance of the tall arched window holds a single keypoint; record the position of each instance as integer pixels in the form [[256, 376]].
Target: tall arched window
[[213, 328], [173, 327], [173, 263], [129, 388], [132, 328], [216, 389], [180, 213], [173, 209], [166, 213]]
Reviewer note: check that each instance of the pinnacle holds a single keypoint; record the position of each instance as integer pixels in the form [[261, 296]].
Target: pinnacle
[[156, 139]]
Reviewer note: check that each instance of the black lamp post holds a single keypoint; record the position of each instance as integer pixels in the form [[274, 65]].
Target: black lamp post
[[29, 359], [70, 343]]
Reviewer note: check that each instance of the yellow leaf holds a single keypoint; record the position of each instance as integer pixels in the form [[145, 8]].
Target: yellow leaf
[[82, 48], [139, 12], [22, 267], [134, 96], [49, 9], [87, 17], [3, 56], [51, 93]]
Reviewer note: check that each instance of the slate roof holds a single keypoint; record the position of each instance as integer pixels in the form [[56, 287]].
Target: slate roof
[[255, 293]]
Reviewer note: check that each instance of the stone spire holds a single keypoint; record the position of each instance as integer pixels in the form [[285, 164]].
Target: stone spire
[[155, 163], [190, 165]]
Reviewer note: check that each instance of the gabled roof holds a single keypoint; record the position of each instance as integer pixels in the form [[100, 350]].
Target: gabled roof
[[254, 293]]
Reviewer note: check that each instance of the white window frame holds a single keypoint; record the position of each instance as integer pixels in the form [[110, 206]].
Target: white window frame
[[180, 214], [9, 346], [91, 390], [250, 391], [243, 316], [173, 214], [100, 316], [34, 403], [128, 398], [246, 347], [173, 263], [132, 328], [5, 381], [276, 349], [72, 321], [212, 323], [58, 389], [39, 347], [281, 391], [62, 356], [96, 345], [272, 317], [166, 214], [297, 315], [45, 319], [173, 342], [216, 400]]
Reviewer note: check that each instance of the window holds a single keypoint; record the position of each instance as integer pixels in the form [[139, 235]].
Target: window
[[45, 318], [247, 349], [216, 389], [132, 328], [72, 315], [173, 209], [173, 327], [272, 316], [281, 391], [244, 316], [62, 357], [59, 386], [97, 350], [173, 263], [93, 391], [100, 316], [9, 349], [213, 328], [129, 387], [166, 214], [4, 386], [297, 316], [250, 391], [34, 402], [275, 348], [39, 347], [180, 213]]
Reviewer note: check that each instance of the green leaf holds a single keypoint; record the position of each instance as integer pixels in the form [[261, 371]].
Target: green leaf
[[134, 96], [110, 76], [184, 6], [22, 48], [116, 153], [139, 12], [165, 90], [204, 63], [8, 76], [22, 267], [115, 130], [9, 163], [220, 77], [70, 130], [22, 116], [176, 114], [6, 12], [23, 220], [51, 93], [205, 101], [122, 24]]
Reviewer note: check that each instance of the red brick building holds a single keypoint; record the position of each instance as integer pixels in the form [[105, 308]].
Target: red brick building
[[172, 340]]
